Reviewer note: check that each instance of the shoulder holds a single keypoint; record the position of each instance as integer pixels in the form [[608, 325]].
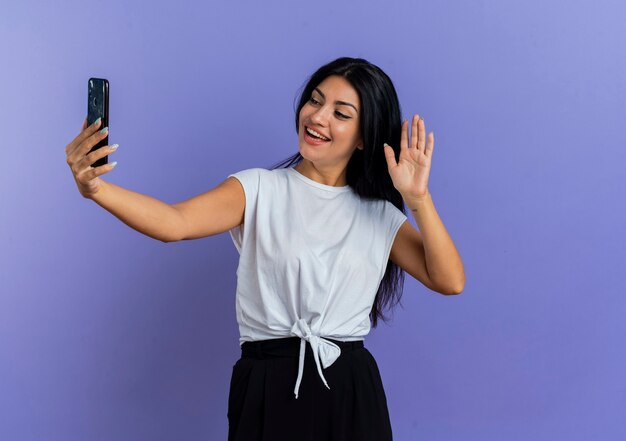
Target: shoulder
[[257, 179], [260, 172], [256, 175], [249, 173]]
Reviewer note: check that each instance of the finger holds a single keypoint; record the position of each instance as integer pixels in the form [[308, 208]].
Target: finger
[[70, 147], [84, 134], [92, 157], [76, 158], [421, 143], [431, 145], [404, 136], [84, 147], [390, 156], [414, 130], [92, 173]]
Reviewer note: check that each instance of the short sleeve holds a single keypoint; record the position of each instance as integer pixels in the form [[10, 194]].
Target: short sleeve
[[250, 181], [392, 219]]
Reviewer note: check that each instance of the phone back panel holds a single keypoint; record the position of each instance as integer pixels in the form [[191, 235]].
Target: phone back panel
[[98, 107]]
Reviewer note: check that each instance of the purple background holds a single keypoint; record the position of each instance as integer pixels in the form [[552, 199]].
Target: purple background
[[108, 334]]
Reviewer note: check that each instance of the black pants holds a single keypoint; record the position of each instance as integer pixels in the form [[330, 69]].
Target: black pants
[[262, 405]]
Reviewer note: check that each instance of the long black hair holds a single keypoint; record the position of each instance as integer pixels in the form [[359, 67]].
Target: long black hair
[[367, 174]]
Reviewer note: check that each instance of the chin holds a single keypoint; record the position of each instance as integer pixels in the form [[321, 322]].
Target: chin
[[305, 155], [307, 151]]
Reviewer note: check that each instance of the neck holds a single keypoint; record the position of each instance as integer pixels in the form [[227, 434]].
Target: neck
[[333, 176]]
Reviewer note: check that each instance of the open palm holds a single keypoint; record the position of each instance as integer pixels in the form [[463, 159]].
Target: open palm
[[410, 173]]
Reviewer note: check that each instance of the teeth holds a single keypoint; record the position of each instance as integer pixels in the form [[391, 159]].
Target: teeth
[[317, 135]]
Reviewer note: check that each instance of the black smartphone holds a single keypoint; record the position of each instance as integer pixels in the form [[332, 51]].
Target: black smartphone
[[98, 107]]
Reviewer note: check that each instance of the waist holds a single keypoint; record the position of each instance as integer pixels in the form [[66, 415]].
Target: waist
[[288, 347]]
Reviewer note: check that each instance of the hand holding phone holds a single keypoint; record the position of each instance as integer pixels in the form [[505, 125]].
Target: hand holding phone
[[85, 175], [88, 152]]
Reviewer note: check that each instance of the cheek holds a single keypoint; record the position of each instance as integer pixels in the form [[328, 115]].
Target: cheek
[[346, 132], [305, 111], [301, 118]]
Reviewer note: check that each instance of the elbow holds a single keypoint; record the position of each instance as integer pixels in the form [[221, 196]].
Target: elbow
[[448, 287], [452, 289], [456, 291], [458, 288], [173, 235]]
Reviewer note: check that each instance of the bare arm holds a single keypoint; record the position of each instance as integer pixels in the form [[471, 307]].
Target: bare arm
[[143, 213], [216, 211], [430, 256], [213, 212], [210, 213]]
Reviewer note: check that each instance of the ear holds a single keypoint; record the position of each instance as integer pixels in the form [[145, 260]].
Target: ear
[[359, 143]]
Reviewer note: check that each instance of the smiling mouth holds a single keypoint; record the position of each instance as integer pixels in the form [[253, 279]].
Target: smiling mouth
[[315, 135]]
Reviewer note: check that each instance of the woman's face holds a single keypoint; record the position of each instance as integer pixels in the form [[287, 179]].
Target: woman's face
[[332, 111]]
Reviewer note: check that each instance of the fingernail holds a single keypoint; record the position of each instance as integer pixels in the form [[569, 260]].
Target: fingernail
[[113, 164], [96, 122], [106, 129], [114, 147]]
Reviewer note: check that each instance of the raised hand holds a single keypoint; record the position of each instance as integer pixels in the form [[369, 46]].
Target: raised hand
[[410, 173]]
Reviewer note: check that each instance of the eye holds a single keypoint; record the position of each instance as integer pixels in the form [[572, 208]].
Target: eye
[[339, 114]]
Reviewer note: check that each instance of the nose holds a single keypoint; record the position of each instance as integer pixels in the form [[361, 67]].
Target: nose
[[320, 116]]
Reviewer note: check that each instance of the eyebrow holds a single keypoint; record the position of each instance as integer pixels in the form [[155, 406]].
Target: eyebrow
[[338, 102]]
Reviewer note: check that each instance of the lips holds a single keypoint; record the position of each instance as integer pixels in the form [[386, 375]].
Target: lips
[[319, 132], [311, 140]]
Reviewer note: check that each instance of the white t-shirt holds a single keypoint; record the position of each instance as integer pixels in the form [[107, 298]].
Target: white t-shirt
[[312, 257]]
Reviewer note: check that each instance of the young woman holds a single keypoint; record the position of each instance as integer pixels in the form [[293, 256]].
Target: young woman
[[323, 245]]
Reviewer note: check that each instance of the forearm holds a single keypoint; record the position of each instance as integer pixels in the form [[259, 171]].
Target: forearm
[[444, 264], [143, 213]]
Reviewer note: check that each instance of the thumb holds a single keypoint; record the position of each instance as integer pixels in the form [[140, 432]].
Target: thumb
[[390, 156]]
